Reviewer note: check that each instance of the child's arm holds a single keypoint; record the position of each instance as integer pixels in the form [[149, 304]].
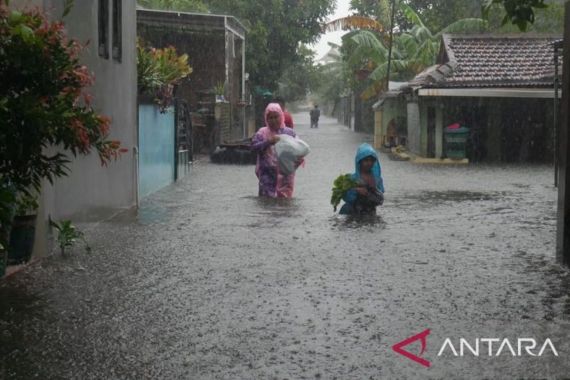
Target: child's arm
[[380, 184], [350, 196]]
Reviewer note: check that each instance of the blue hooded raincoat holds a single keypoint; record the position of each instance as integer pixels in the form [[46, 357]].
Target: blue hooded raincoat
[[363, 151]]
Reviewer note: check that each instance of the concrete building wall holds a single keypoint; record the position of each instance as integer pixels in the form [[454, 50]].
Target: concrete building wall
[[20, 4], [378, 130], [439, 132], [414, 128], [93, 191]]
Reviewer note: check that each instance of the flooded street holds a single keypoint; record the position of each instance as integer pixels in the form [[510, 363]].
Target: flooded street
[[209, 281]]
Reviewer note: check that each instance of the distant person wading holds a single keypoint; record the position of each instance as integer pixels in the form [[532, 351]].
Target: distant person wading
[[315, 115]]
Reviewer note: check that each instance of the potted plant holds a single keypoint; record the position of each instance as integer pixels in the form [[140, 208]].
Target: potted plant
[[23, 230], [158, 73], [219, 90], [7, 206]]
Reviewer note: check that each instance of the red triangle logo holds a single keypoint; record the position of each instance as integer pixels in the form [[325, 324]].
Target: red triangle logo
[[399, 348]]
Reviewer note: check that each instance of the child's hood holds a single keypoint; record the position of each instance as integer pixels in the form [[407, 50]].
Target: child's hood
[[364, 151]]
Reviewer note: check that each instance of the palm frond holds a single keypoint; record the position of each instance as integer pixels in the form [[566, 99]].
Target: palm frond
[[411, 15], [354, 23]]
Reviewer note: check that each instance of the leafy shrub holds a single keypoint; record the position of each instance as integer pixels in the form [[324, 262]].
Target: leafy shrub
[[159, 70], [43, 101]]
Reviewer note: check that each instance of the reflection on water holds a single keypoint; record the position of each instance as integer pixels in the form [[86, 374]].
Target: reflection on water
[[342, 222]]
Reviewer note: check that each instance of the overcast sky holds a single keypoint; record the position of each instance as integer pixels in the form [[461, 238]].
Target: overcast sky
[[321, 47]]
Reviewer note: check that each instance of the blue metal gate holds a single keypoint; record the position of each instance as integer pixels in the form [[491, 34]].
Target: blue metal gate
[[157, 166]]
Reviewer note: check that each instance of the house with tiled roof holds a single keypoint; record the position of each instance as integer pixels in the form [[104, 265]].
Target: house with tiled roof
[[499, 86]]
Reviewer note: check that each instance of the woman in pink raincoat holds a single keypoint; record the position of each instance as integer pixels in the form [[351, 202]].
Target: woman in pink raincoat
[[272, 183]]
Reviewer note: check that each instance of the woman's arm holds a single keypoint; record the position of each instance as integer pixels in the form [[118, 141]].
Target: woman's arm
[[259, 144]]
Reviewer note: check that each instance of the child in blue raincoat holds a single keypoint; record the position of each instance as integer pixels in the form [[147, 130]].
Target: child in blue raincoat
[[369, 194]]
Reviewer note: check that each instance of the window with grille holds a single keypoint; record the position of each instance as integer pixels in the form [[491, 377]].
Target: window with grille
[[104, 28], [117, 30]]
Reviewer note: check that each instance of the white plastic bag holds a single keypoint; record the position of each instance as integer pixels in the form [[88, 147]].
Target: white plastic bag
[[290, 150]]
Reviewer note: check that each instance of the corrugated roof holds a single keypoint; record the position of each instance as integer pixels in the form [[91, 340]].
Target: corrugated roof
[[190, 20]]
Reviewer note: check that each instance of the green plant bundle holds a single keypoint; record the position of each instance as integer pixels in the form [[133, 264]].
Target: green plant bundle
[[341, 185]]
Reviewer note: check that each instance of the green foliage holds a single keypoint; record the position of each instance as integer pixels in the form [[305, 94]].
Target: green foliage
[[43, 102], [546, 20], [519, 12], [219, 88], [413, 49], [67, 6], [342, 184], [7, 210], [331, 79], [176, 5], [26, 204], [68, 235], [300, 77], [159, 70], [508, 16], [437, 14], [276, 28]]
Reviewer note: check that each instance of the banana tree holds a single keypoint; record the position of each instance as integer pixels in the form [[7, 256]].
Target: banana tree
[[413, 50]]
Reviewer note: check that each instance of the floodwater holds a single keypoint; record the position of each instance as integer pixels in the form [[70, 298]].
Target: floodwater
[[207, 280]]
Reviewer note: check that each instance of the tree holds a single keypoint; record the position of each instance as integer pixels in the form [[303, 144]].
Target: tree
[[546, 20], [413, 49], [276, 28], [331, 78], [299, 77], [519, 12], [379, 10], [437, 14]]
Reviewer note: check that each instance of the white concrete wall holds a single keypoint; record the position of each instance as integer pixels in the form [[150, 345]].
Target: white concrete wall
[[438, 131], [20, 4], [92, 192], [414, 128]]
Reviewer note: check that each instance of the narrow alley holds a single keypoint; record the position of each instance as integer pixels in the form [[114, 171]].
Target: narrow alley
[[206, 280]]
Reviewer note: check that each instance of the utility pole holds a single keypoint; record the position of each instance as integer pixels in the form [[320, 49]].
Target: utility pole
[[390, 44], [563, 227]]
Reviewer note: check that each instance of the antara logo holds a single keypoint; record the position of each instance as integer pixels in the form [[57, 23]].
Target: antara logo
[[477, 347], [422, 337], [482, 346]]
